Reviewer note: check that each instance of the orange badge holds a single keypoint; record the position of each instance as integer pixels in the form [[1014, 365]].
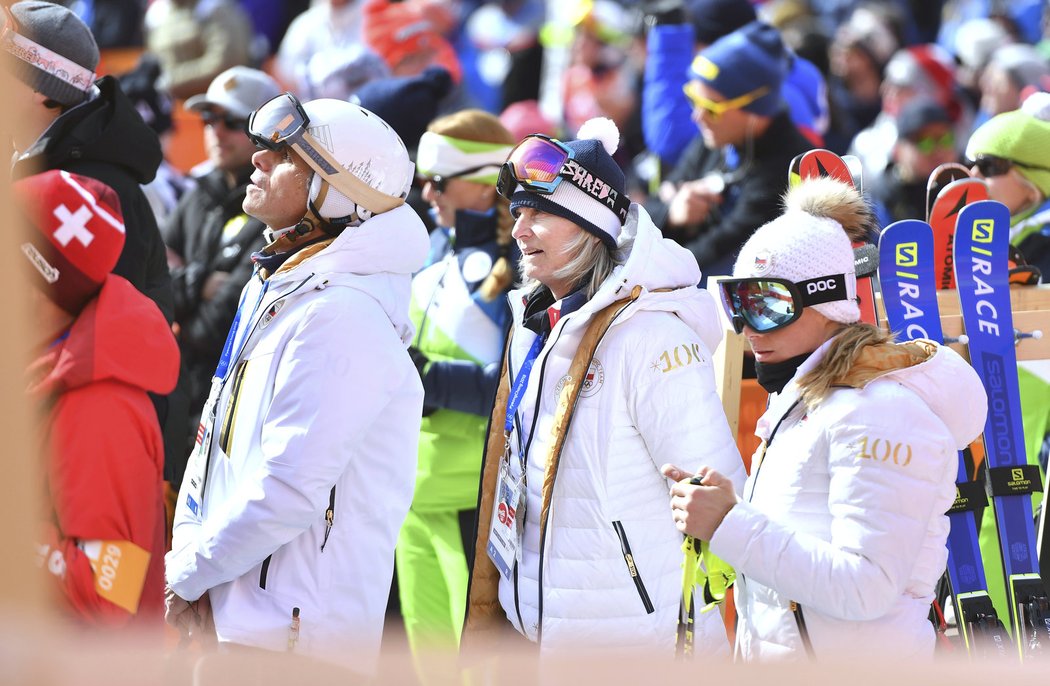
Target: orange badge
[[120, 571]]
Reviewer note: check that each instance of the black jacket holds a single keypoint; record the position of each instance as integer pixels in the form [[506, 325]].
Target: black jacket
[[752, 201], [195, 230], [106, 139]]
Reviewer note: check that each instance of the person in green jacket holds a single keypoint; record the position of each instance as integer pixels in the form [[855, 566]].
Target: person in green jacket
[[461, 316]]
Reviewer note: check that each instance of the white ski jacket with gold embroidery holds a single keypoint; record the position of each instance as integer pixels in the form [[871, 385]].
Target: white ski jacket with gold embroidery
[[844, 514], [649, 399]]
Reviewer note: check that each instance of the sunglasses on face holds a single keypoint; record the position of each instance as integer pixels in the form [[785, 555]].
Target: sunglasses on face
[[440, 181], [229, 120], [717, 108], [991, 166], [540, 164], [928, 144], [767, 305]]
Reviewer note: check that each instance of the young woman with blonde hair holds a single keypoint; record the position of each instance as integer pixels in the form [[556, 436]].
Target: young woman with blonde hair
[[839, 538]]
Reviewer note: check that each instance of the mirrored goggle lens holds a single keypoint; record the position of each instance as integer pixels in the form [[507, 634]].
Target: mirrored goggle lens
[[536, 162], [276, 121], [763, 305]]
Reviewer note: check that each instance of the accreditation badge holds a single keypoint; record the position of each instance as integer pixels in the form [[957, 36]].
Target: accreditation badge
[[197, 466], [505, 529]]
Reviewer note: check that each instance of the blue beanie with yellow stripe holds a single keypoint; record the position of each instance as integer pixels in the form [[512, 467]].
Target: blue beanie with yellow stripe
[[749, 63]]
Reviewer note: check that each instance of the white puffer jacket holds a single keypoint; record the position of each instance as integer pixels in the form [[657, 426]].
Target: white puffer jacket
[[844, 514], [649, 399], [320, 414]]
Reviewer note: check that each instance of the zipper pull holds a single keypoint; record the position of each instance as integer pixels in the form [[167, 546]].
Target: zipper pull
[[329, 518]]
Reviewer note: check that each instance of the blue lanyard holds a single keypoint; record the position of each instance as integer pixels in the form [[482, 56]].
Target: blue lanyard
[[227, 349], [521, 383]]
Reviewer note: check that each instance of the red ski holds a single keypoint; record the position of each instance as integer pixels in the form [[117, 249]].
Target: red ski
[[941, 177], [943, 215]]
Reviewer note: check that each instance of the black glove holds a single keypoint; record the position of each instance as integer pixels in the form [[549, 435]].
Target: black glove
[[418, 359], [421, 360]]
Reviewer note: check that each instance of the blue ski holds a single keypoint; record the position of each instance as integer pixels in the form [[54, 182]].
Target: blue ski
[[981, 273], [906, 276], [909, 294]]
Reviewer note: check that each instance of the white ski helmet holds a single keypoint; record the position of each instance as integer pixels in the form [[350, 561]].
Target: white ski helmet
[[364, 145]]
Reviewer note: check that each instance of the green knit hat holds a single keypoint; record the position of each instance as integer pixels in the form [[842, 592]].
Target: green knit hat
[[1021, 136]]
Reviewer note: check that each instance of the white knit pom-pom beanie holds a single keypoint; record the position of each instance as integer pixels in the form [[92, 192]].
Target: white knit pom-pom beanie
[[813, 238]]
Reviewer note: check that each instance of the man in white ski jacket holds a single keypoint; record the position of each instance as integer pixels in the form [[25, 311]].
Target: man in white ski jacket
[[597, 564], [304, 468]]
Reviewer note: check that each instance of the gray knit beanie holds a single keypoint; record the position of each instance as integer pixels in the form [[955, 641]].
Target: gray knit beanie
[[57, 30]]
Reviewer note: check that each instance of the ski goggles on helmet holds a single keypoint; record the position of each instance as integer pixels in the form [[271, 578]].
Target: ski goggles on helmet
[[540, 164], [278, 122], [766, 305], [283, 122]]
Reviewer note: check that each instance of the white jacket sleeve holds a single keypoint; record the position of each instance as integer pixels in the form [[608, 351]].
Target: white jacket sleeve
[[334, 377], [891, 473], [672, 400]]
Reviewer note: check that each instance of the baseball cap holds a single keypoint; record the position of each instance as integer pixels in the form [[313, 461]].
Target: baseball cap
[[238, 90]]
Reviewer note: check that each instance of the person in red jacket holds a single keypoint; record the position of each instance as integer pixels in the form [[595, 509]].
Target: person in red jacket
[[101, 346]]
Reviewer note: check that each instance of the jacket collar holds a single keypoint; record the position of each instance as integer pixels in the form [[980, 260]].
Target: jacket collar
[[542, 311], [874, 361], [272, 262]]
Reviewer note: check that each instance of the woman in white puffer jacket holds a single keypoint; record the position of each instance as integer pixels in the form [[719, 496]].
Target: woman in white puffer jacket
[[839, 538], [588, 558]]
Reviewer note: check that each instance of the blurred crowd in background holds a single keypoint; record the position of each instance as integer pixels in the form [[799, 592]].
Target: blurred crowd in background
[[901, 84], [547, 67]]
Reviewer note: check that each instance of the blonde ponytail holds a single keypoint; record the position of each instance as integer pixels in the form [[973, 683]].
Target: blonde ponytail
[[817, 384]]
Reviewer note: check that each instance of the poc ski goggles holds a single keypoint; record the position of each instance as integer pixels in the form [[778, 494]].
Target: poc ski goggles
[[540, 164], [283, 122], [765, 304]]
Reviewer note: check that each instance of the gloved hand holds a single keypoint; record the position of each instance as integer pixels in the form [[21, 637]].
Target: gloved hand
[[421, 360], [418, 359]]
